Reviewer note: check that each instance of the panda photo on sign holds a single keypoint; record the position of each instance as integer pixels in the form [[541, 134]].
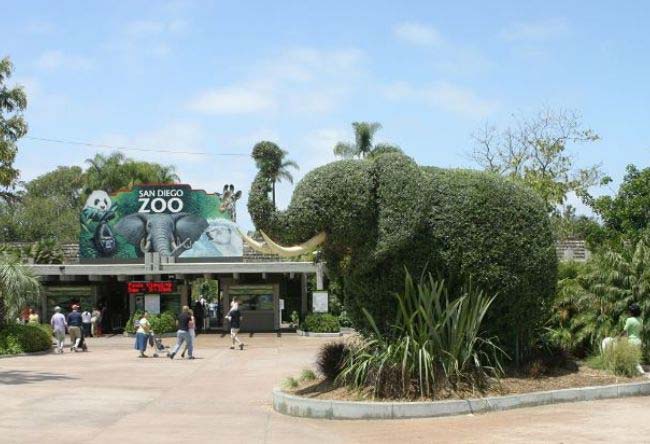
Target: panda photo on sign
[[98, 208]]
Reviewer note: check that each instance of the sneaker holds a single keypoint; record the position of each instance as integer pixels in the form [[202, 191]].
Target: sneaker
[[191, 357], [241, 346], [171, 355], [232, 347]]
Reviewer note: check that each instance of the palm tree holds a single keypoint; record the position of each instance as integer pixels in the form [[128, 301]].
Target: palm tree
[[270, 160], [364, 133], [18, 287]]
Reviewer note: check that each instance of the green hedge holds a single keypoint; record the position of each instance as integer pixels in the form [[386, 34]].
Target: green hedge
[[20, 338], [321, 323], [165, 322], [387, 214]]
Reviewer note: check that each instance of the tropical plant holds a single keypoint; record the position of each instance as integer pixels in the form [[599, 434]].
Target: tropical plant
[[18, 287], [592, 302], [270, 159], [46, 251], [364, 133], [436, 343], [13, 102]]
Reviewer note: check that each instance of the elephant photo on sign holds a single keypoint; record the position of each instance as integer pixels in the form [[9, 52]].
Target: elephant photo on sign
[[167, 234]]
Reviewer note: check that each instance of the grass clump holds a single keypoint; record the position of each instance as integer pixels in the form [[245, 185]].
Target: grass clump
[[290, 383], [307, 375], [622, 359]]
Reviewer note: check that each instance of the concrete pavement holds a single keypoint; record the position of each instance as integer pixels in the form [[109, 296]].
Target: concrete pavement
[[108, 395]]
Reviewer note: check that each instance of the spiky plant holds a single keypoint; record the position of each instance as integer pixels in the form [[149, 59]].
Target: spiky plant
[[18, 287], [46, 251]]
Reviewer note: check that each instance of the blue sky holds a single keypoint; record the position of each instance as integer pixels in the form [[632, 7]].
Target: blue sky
[[217, 77]]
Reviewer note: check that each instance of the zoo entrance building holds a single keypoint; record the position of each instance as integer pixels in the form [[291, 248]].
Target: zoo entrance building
[[160, 247]]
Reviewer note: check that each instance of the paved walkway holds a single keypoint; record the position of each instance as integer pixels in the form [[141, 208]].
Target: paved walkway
[[109, 396]]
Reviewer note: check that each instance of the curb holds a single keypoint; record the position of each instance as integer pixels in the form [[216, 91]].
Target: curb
[[44, 352], [293, 405], [318, 335]]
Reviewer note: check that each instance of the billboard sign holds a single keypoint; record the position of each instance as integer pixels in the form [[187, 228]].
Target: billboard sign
[[173, 220]]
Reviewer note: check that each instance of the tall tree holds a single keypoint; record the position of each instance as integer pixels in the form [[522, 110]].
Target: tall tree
[[13, 102], [115, 171], [272, 162], [18, 287], [364, 133], [534, 151]]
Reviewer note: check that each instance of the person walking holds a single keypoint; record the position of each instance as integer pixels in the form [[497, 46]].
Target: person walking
[[86, 318], [199, 314], [183, 334], [142, 334], [95, 320], [192, 329], [234, 316], [58, 324], [74, 327], [33, 317]]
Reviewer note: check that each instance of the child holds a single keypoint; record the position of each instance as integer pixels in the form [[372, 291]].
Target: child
[[234, 316]]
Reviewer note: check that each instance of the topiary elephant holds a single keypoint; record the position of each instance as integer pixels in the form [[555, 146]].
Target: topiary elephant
[[376, 217]]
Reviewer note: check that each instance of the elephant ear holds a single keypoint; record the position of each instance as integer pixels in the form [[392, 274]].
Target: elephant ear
[[132, 227], [189, 225]]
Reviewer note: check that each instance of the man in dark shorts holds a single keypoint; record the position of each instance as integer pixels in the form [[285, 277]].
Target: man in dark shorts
[[183, 333], [234, 316]]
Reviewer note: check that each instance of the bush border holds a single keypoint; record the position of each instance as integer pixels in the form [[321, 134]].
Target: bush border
[[318, 335], [299, 406]]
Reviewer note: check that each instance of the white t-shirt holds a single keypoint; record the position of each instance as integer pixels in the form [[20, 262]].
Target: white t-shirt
[[143, 323], [85, 317]]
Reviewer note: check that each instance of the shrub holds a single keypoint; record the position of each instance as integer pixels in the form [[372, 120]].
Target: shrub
[[436, 343], [307, 375], [19, 338], [46, 251], [295, 319], [331, 358], [622, 359], [344, 319], [162, 323], [321, 323]]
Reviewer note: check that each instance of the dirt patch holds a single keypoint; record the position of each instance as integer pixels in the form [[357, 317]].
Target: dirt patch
[[511, 384]]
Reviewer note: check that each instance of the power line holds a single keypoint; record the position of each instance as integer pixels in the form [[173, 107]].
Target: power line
[[131, 148]]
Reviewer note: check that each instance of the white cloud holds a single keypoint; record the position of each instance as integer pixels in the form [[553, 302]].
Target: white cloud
[[536, 31], [417, 34], [56, 59], [444, 95], [302, 80], [146, 28], [232, 100]]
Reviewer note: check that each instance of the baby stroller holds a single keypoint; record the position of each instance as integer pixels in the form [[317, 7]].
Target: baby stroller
[[82, 345], [158, 346]]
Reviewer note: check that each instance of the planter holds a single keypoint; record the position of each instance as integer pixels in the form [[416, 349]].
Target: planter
[[294, 405], [318, 335]]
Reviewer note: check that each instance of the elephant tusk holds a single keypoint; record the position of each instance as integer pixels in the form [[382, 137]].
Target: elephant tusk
[[296, 250], [144, 245], [260, 247]]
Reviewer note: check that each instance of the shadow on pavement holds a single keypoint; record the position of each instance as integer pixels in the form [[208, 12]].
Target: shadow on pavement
[[16, 377]]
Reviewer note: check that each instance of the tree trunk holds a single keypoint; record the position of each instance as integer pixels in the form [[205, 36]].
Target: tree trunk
[[3, 313], [273, 194]]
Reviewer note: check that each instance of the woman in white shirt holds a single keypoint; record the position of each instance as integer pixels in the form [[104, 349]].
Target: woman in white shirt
[[142, 334]]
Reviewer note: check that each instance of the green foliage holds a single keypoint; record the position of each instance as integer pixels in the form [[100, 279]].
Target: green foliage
[[321, 323], [331, 359], [592, 299], [622, 359], [345, 320], [20, 338], [627, 212], [364, 133], [164, 322], [270, 160], [13, 102], [385, 213], [436, 343], [307, 375], [18, 287], [295, 318], [290, 383], [46, 251]]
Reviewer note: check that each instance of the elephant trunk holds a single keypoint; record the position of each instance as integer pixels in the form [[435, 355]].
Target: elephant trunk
[[162, 243]]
